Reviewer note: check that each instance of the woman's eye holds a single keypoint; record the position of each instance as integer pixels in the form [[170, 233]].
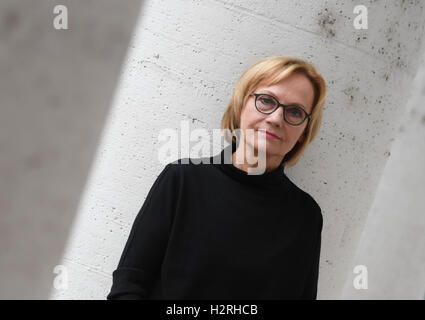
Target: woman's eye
[[266, 101], [295, 112]]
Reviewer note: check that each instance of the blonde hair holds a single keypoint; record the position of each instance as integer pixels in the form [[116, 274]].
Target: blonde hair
[[270, 71]]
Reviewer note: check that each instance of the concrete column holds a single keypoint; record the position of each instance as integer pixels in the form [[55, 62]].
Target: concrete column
[[56, 87], [392, 246]]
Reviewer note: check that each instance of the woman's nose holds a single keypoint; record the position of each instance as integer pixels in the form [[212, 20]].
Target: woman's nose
[[276, 118]]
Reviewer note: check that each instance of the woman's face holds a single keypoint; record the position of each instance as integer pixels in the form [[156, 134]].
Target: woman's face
[[296, 88]]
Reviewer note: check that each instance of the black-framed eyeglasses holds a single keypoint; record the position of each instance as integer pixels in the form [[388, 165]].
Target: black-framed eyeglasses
[[292, 114]]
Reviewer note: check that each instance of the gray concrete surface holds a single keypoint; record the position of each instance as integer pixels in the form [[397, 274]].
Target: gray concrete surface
[[392, 246], [81, 110], [56, 88]]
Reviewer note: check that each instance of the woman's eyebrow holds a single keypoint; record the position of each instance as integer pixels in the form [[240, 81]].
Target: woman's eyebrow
[[274, 95]]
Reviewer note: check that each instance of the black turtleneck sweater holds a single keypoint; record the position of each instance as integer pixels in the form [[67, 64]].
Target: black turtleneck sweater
[[212, 231]]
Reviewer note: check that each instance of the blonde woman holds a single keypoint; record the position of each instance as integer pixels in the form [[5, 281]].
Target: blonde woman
[[214, 231]]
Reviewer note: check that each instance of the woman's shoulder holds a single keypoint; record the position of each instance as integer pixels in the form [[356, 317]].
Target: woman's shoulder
[[190, 166], [307, 199]]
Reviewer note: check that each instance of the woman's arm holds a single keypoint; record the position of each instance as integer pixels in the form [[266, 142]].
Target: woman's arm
[[143, 253]]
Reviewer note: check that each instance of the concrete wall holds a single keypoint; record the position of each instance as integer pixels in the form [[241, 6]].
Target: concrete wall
[[181, 64], [56, 88], [392, 245]]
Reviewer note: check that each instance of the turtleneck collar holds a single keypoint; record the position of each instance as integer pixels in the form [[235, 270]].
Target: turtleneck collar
[[273, 178]]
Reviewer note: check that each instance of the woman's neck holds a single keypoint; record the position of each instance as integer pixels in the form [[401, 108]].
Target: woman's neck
[[252, 160]]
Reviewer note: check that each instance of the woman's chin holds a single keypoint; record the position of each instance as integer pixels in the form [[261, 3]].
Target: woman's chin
[[265, 149]]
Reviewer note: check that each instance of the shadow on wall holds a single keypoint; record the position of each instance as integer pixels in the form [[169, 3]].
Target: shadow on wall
[[58, 87]]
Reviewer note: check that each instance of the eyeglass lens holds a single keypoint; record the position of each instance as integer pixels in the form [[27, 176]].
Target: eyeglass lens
[[268, 104]]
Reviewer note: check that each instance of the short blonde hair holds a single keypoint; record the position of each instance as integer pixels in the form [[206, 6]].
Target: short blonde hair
[[269, 71]]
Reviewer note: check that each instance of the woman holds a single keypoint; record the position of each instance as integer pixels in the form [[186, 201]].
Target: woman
[[214, 231]]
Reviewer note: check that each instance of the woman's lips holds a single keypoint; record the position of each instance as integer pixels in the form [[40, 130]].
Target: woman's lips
[[270, 135]]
